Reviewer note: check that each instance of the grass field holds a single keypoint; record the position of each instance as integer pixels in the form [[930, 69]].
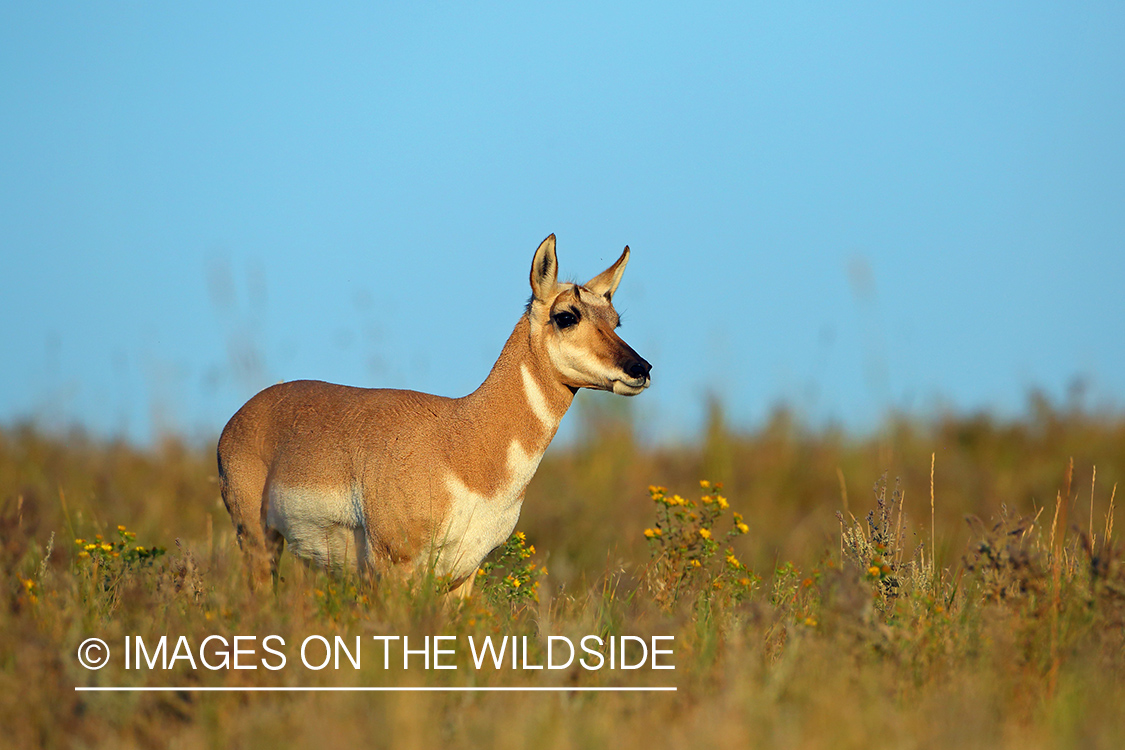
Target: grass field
[[952, 583]]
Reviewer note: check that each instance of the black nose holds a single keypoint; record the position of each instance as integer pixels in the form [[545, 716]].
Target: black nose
[[638, 369]]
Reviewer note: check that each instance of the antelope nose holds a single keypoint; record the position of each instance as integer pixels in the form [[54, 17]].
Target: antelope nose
[[638, 369]]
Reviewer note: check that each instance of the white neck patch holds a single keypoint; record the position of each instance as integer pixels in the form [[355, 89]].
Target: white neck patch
[[537, 400]]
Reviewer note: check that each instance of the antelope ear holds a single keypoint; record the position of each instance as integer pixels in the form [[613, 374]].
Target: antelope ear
[[605, 283], [545, 270]]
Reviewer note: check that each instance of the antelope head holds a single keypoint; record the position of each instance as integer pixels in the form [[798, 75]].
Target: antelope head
[[575, 326]]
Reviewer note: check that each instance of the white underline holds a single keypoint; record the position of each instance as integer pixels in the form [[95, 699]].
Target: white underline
[[408, 689]]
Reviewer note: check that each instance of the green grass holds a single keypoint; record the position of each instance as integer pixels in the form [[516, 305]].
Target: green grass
[[842, 616]]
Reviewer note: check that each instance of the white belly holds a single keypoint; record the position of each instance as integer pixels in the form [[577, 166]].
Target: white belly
[[324, 526]]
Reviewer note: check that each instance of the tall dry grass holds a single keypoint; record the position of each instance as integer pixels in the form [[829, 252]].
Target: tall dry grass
[[955, 582]]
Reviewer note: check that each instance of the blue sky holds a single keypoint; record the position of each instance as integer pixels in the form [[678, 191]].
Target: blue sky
[[846, 207]]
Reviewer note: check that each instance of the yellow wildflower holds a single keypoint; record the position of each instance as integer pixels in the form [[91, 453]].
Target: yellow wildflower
[[480, 571], [106, 547], [90, 547], [139, 549], [705, 533], [873, 570], [531, 549], [810, 621], [742, 528], [722, 501], [732, 560], [695, 563], [120, 528], [83, 553], [79, 541], [704, 484], [521, 536]]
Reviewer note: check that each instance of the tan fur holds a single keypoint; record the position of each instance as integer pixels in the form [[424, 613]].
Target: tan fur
[[384, 480]]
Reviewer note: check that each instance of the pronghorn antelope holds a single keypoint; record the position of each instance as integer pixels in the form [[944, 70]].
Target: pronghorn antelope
[[382, 480]]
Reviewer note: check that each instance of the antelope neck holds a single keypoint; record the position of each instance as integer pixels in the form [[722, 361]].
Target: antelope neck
[[519, 400]]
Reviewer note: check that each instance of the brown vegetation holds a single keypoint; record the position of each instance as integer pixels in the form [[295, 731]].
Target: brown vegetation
[[867, 600]]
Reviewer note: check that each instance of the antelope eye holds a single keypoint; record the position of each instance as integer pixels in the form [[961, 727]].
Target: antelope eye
[[565, 319]]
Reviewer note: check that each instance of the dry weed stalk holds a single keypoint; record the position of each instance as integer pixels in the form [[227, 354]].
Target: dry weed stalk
[[880, 551]]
